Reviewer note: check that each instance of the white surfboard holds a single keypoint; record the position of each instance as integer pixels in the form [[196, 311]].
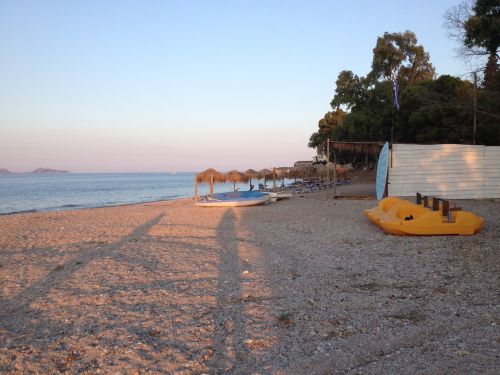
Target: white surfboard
[[382, 169]]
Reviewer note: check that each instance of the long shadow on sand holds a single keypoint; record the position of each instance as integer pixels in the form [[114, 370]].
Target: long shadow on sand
[[17, 317], [229, 321]]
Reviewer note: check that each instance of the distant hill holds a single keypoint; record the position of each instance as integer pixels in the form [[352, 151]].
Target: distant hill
[[47, 170], [4, 171]]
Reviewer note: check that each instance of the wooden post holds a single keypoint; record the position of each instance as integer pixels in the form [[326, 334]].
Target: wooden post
[[475, 110], [211, 184], [334, 174], [195, 188], [327, 166]]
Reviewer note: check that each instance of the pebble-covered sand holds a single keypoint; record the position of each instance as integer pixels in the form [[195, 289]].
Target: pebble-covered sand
[[303, 286]]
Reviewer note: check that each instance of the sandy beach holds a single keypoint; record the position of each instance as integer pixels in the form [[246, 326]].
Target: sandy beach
[[302, 286]]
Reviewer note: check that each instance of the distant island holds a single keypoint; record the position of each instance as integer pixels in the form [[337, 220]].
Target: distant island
[[47, 170], [38, 170]]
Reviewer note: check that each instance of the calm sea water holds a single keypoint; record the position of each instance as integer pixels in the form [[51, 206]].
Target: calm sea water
[[45, 192]]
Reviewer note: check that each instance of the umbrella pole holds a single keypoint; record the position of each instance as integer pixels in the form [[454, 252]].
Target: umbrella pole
[[195, 188], [211, 184], [234, 185]]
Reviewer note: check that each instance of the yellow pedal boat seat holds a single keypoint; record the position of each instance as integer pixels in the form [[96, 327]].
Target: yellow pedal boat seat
[[398, 216]]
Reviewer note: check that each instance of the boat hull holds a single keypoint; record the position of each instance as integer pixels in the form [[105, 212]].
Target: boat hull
[[237, 202]]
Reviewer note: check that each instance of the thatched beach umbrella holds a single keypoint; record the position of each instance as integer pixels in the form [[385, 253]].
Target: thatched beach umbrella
[[208, 176], [306, 170], [251, 173], [280, 172], [266, 173], [235, 176], [294, 172], [321, 170]]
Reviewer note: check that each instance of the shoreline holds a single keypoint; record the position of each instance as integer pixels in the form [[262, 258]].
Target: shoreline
[[77, 208]]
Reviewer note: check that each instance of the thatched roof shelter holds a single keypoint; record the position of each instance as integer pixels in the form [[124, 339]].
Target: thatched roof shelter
[[281, 172], [366, 148], [266, 173], [252, 173], [209, 176], [305, 170], [294, 172], [235, 176]]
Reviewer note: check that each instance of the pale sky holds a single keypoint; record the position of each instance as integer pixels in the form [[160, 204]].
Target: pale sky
[[153, 86]]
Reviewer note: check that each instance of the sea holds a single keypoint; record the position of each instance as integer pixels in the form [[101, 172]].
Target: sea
[[32, 192]]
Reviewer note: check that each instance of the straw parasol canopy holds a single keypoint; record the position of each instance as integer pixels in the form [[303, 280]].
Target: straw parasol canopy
[[251, 173], [295, 172], [305, 170], [235, 176], [281, 172], [206, 176], [209, 176], [321, 169], [266, 173], [334, 169]]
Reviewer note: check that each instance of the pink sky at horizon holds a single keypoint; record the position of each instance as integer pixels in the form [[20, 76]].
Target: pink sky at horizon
[[107, 154]]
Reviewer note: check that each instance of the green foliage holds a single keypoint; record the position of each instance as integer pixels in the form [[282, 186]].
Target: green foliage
[[349, 90], [482, 29], [397, 55], [431, 110], [326, 127], [436, 111]]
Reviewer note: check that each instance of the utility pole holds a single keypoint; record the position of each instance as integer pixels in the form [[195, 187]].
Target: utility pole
[[327, 166], [475, 109]]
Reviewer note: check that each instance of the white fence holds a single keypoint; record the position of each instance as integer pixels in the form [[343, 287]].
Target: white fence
[[448, 171]]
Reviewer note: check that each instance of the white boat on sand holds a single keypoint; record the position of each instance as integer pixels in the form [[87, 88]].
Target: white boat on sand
[[235, 199]]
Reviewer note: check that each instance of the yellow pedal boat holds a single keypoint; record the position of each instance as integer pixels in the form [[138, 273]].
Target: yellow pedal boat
[[401, 217]]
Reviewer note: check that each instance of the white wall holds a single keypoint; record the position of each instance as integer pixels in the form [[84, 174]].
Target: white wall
[[448, 171]]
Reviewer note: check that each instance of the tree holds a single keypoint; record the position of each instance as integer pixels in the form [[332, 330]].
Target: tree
[[477, 28], [436, 111], [349, 90], [398, 56], [431, 110], [326, 126], [482, 30]]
